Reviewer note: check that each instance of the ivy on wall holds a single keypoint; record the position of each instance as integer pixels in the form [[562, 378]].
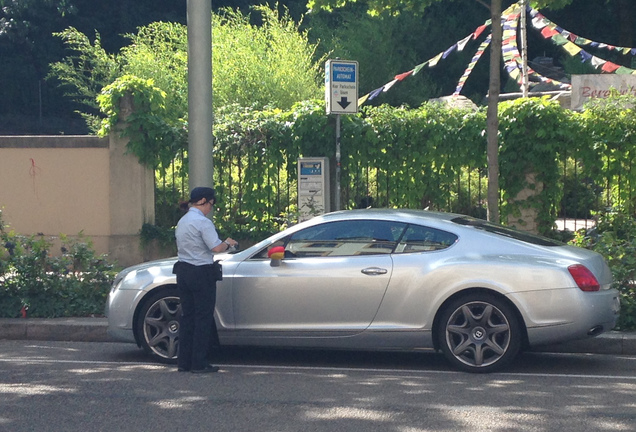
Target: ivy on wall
[[535, 134], [154, 137]]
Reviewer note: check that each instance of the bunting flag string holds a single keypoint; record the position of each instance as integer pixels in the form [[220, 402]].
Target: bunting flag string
[[458, 46], [572, 43], [550, 29], [512, 58], [567, 40], [471, 65]]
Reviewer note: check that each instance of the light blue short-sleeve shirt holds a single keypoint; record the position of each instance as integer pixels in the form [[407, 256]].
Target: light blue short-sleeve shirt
[[196, 236]]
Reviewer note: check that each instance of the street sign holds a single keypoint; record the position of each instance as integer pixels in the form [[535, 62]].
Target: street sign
[[341, 86]]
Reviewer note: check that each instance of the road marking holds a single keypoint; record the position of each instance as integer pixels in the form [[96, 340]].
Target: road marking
[[26, 360]]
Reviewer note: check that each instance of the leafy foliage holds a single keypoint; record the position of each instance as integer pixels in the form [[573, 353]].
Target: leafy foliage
[[610, 128], [272, 64], [158, 51], [85, 72], [417, 6], [152, 138], [615, 238], [349, 34], [73, 283], [17, 16], [534, 132]]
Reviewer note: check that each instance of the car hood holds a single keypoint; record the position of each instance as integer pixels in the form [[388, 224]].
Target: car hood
[[162, 263]]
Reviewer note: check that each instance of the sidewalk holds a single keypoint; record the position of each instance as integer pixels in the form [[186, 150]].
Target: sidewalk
[[94, 330]]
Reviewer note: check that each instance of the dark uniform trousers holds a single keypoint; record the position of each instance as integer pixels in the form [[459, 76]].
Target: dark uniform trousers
[[197, 329]]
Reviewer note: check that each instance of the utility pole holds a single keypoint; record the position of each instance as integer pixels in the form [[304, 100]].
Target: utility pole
[[200, 115], [492, 119], [524, 49]]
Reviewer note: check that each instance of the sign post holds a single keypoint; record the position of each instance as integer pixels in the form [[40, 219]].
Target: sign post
[[341, 95]]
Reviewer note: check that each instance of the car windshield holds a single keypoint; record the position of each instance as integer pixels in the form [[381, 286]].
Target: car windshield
[[506, 231]]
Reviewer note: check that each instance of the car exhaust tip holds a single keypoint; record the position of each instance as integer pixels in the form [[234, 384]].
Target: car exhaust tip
[[595, 331]]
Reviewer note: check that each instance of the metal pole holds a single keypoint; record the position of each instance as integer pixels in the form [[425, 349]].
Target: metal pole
[[524, 50], [200, 116], [337, 201]]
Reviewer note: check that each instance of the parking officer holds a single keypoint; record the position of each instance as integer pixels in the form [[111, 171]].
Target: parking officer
[[197, 242]]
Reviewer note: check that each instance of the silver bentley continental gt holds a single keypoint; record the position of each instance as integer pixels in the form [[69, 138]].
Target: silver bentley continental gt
[[381, 279]]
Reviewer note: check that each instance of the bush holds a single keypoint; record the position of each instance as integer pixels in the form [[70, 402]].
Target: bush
[[75, 283], [614, 237]]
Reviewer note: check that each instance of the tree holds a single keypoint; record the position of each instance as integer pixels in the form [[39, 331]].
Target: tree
[[25, 28], [495, 7], [20, 17], [28, 46], [84, 72], [398, 43], [270, 65]]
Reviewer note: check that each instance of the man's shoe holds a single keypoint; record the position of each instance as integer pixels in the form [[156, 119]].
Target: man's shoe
[[207, 369]]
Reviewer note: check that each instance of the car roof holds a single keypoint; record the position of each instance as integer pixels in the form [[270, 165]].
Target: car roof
[[403, 215], [453, 222]]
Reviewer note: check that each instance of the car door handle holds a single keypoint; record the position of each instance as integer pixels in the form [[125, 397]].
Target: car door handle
[[373, 271]]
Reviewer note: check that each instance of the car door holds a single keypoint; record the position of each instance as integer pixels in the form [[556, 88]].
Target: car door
[[331, 281]]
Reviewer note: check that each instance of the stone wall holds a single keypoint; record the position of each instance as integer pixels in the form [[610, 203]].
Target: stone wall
[[54, 185]]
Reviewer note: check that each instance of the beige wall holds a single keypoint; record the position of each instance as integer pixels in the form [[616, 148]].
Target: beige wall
[[66, 184]]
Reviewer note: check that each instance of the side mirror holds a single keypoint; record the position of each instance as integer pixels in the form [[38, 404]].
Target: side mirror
[[276, 254]]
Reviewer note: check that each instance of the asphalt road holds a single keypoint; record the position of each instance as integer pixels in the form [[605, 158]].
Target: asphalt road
[[79, 386]]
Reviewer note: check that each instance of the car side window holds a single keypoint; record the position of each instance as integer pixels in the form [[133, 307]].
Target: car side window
[[419, 238], [345, 238]]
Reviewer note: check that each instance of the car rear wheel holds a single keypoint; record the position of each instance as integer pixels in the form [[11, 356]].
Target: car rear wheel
[[157, 325], [479, 333]]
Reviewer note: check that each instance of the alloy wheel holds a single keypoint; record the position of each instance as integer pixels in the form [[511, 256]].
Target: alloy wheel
[[161, 327], [478, 334]]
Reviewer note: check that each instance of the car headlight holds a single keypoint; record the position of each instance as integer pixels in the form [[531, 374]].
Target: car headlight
[[118, 281]]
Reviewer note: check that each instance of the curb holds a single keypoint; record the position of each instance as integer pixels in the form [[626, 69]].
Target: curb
[[55, 329], [613, 342], [95, 330]]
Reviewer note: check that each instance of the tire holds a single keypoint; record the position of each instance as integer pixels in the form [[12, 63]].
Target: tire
[[157, 325], [479, 333]]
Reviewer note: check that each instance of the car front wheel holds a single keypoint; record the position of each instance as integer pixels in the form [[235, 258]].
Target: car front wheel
[[479, 333], [157, 325]]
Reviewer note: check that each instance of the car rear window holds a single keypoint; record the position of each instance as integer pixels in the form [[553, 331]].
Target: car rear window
[[418, 238], [506, 231]]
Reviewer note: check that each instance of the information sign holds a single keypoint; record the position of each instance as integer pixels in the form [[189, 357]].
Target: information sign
[[341, 86]]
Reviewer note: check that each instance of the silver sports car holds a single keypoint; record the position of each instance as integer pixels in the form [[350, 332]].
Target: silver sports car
[[385, 279]]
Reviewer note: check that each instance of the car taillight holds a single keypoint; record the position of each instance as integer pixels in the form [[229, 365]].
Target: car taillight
[[584, 278]]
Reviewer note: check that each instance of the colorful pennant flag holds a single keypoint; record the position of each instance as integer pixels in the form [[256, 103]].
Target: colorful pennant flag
[[609, 67], [462, 43], [400, 77], [572, 48]]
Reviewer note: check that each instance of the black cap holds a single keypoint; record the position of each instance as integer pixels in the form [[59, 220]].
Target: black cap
[[202, 192]]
